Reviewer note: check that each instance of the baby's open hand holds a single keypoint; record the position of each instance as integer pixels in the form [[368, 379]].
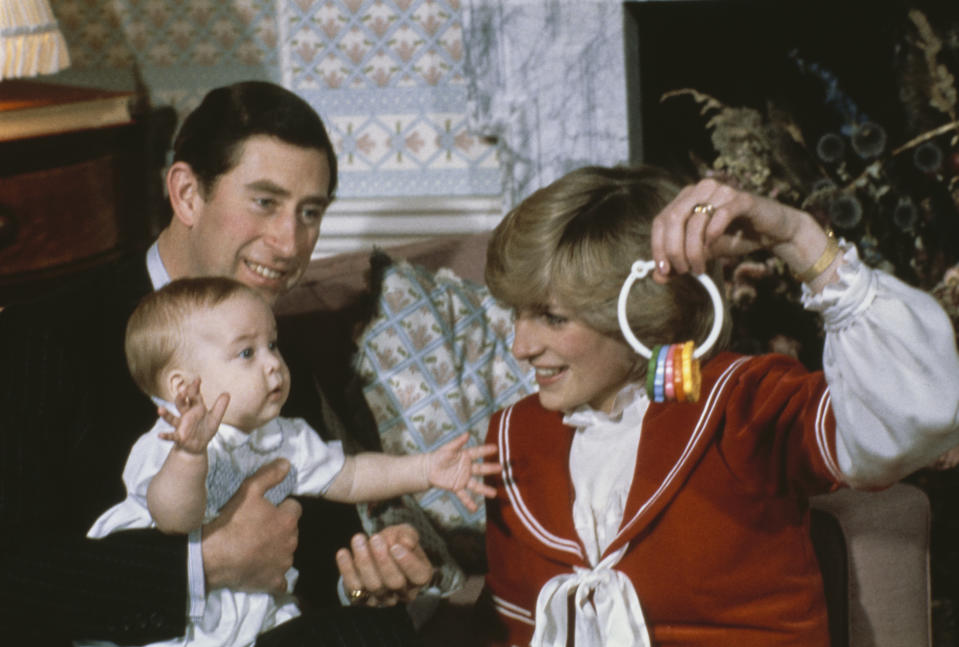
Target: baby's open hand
[[196, 425], [460, 469]]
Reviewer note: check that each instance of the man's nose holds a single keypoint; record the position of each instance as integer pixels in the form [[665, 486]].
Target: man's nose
[[282, 232]]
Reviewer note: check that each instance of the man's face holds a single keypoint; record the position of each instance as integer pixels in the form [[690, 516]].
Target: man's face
[[260, 221]]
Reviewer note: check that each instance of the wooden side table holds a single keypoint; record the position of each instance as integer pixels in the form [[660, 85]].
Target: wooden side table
[[71, 201]]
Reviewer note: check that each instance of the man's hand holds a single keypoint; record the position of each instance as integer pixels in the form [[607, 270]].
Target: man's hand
[[391, 566], [249, 546]]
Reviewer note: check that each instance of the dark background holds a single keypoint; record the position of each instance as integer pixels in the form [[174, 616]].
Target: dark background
[[738, 52]]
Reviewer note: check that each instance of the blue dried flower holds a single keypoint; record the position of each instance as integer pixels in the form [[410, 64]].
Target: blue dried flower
[[831, 148], [868, 140], [928, 157], [845, 211], [835, 97], [905, 214]]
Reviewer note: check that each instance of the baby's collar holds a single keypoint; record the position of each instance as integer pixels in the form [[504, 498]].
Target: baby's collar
[[262, 439]]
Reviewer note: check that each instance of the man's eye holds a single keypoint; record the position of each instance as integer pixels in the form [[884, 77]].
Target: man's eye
[[246, 353], [311, 215], [267, 204]]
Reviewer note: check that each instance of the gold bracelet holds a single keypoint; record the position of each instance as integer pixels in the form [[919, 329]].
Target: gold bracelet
[[823, 262]]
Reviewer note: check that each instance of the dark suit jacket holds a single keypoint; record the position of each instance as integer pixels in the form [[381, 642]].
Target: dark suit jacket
[[69, 413]]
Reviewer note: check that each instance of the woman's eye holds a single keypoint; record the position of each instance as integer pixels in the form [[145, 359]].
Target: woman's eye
[[554, 319]]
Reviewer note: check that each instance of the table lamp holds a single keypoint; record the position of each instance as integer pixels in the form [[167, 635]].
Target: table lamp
[[30, 40]]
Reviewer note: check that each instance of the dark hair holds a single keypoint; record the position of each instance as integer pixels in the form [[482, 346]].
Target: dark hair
[[211, 137]]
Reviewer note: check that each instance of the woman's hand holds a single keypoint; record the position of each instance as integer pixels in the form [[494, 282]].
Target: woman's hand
[[710, 220]]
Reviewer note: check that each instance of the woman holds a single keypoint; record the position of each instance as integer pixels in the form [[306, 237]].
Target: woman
[[621, 521]]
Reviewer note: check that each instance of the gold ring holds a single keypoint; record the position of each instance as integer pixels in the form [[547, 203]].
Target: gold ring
[[704, 207], [358, 596]]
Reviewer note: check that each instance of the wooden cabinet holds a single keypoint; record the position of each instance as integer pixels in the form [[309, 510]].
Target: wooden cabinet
[[71, 201]]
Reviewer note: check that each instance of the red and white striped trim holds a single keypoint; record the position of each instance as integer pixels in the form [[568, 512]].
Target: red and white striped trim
[[511, 610], [822, 437], [708, 409], [512, 490]]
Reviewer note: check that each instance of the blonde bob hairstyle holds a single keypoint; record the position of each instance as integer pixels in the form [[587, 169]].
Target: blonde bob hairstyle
[[574, 241], [156, 330]]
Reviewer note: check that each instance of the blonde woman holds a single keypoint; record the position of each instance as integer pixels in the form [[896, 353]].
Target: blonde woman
[[624, 520]]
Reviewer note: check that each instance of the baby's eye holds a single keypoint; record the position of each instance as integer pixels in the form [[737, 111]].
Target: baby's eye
[[246, 353], [272, 345]]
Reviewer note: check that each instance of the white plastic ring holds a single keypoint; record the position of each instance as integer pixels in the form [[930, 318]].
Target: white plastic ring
[[641, 270]]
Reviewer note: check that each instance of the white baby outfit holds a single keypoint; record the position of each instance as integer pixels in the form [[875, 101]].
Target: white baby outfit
[[230, 617]]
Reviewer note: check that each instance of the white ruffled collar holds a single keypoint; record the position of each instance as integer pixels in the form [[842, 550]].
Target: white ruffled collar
[[629, 403]]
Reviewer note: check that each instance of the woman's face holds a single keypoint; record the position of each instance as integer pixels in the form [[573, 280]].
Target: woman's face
[[574, 363]]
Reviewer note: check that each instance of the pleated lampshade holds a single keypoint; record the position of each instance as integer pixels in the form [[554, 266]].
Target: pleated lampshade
[[30, 40]]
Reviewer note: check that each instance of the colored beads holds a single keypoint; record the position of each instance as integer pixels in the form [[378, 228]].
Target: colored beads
[[673, 374]]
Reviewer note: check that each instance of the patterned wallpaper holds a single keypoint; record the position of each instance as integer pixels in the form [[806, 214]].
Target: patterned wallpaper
[[386, 75]]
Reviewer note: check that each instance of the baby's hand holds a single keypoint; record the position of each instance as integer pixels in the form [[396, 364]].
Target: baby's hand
[[455, 467], [196, 426]]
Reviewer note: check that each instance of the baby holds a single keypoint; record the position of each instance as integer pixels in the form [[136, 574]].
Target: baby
[[214, 340]]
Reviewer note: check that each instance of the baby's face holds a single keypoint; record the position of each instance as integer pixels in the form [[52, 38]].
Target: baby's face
[[232, 348]]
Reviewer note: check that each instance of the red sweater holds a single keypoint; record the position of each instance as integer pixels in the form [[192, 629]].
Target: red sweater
[[717, 519]]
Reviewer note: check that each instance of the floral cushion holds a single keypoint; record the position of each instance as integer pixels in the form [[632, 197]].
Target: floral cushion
[[435, 361]]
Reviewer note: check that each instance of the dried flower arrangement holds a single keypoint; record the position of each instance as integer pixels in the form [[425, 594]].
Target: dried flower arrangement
[[898, 202]]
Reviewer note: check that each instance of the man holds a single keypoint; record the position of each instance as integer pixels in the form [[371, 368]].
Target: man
[[253, 173]]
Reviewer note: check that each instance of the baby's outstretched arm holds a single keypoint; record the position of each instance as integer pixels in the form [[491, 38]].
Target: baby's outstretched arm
[[455, 467], [176, 495]]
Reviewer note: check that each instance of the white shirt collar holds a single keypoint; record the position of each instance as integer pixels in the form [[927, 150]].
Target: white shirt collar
[[158, 274]]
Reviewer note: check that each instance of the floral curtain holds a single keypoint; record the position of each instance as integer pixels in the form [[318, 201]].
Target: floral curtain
[[546, 81]]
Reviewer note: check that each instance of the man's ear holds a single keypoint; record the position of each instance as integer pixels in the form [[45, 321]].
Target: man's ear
[[183, 187]]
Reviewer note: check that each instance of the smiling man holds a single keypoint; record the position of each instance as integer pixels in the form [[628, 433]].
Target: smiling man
[[253, 172], [258, 223]]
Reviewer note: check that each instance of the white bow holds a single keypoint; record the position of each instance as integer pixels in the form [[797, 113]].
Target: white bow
[[606, 607]]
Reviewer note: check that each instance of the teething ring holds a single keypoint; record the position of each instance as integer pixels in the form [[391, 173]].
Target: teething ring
[[657, 373]]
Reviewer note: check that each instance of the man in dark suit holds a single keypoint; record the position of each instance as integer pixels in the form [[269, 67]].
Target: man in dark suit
[[253, 173]]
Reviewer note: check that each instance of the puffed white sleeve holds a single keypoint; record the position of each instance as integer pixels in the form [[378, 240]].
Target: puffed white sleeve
[[893, 372], [317, 462]]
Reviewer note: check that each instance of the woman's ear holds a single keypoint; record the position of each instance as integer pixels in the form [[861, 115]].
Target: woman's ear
[[183, 187]]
